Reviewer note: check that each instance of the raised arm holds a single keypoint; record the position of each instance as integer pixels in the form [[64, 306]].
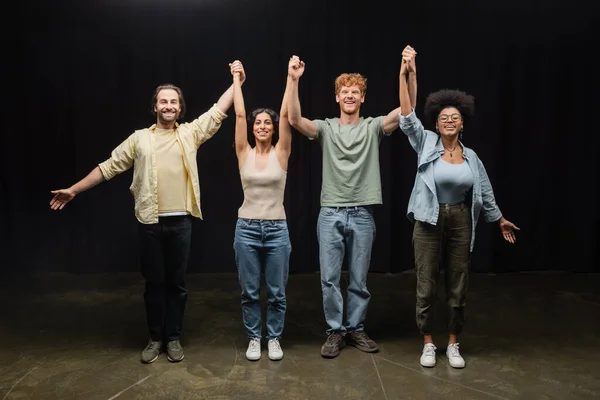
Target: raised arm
[[408, 81], [283, 148], [305, 126], [226, 99], [241, 124]]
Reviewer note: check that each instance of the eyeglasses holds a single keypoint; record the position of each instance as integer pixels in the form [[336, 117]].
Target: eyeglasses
[[446, 117]]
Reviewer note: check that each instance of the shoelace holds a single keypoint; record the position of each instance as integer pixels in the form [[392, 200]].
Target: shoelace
[[174, 346], [275, 344], [429, 350], [453, 350], [334, 338], [153, 345], [254, 345]]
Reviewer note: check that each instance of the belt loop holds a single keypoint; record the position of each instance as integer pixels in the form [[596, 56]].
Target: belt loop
[[337, 209]]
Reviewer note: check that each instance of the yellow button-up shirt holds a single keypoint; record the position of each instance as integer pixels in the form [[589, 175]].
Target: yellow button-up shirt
[[139, 151]]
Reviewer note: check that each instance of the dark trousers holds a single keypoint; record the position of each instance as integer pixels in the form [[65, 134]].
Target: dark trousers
[[165, 249], [447, 243]]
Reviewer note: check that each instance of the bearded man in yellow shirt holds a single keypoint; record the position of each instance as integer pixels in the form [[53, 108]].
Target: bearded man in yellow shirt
[[166, 190]]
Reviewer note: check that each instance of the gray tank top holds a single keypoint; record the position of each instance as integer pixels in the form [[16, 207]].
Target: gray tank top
[[263, 189]]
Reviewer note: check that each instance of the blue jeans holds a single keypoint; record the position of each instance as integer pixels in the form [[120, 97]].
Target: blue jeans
[[341, 230], [262, 244]]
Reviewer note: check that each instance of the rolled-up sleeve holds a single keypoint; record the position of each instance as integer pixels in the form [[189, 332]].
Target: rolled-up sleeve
[[121, 159], [206, 125], [413, 129]]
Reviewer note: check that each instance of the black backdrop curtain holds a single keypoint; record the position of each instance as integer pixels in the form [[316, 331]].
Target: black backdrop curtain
[[89, 71]]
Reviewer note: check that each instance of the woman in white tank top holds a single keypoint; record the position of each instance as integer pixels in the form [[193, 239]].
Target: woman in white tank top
[[262, 241]]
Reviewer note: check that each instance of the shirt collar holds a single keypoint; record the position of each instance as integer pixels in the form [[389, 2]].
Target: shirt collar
[[153, 127]]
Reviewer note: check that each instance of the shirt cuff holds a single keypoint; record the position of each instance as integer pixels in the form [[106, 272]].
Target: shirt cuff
[[216, 113], [410, 117], [105, 169]]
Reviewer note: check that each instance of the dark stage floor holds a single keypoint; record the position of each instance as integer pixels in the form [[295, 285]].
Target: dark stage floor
[[528, 336]]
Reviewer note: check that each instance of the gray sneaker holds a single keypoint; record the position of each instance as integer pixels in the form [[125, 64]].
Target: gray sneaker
[[151, 352], [331, 347], [362, 341], [174, 351]]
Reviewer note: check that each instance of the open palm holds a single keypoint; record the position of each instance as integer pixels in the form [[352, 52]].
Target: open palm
[[61, 198]]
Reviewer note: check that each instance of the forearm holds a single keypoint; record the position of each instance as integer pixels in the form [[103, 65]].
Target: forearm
[[412, 89], [226, 100], [405, 100], [283, 112], [92, 179], [238, 98], [293, 104]]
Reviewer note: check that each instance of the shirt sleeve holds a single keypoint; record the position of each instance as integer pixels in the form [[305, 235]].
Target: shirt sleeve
[[321, 129], [206, 125], [121, 159]]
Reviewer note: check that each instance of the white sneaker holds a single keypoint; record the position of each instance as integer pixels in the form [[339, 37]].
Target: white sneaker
[[428, 356], [275, 352], [454, 357], [253, 352]]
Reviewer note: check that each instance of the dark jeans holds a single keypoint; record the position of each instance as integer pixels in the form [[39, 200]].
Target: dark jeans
[[447, 243], [165, 249]]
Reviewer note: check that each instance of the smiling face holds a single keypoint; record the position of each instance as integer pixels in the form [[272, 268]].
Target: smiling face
[[449, 122], [263, 127], [350, 98], [167, 108]]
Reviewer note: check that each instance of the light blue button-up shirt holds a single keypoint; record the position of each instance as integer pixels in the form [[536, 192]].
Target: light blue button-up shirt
[[423, 204]]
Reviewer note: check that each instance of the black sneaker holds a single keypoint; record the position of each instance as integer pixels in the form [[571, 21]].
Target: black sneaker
[[151, 352], [361, 341], [174, 351], [332, 346]]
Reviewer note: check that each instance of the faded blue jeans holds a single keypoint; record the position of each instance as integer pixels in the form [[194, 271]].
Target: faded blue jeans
[[262, 244], [341, 231]]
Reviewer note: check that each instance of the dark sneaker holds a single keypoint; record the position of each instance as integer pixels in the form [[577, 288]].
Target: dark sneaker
[[332, 346], [151, 352], [174, 351], [361, 341]]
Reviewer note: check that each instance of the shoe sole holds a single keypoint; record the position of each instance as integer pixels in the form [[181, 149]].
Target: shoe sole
[[275, 358], [365, 349], [428, 366], [252, 359], [174, 360], [457, 366], [149, 361]]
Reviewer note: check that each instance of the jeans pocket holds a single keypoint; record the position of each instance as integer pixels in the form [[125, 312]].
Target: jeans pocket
[[327, 211], [242, 223], [280, 225]]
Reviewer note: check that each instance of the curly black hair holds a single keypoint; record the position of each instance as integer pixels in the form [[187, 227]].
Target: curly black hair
[[437, 101]]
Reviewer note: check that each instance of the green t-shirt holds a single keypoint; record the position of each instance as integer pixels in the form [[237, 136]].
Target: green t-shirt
[[350, 162]]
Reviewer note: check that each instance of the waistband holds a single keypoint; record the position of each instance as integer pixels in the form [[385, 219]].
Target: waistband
[[447, 206]]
